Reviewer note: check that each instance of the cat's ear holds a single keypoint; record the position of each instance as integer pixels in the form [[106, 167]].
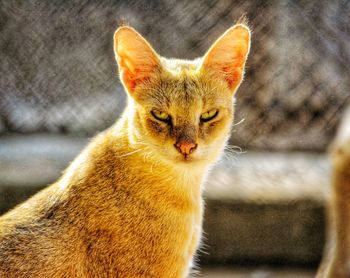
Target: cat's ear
[[227, 56], [136, 58]]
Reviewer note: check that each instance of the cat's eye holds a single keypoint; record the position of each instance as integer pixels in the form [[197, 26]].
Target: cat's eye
[[160, 115], [208, 116]]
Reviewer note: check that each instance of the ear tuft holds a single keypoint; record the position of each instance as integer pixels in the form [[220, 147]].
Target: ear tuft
[[227, 56], [136, 58], [243, 20]]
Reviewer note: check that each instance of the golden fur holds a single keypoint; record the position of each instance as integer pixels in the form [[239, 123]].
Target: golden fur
[[130, 204], [336, 262]]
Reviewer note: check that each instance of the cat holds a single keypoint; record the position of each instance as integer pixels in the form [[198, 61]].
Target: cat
[[336, 261], [130, 205]]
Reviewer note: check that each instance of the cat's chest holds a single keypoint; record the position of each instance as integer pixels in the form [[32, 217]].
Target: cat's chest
[[147, 222]]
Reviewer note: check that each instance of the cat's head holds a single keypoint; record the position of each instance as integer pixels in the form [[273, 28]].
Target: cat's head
[[181, 111]]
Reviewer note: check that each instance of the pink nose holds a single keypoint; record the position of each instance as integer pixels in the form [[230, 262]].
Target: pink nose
[[185, 148]]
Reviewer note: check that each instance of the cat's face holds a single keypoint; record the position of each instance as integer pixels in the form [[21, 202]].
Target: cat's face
[[181, 111]]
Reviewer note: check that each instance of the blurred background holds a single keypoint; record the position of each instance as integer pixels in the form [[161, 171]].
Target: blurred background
[[265, 201]]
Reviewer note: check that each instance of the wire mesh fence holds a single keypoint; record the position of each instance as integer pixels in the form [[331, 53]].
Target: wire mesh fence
[[58, 73]]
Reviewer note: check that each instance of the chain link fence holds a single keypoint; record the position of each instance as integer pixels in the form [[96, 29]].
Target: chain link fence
[[58, 73]]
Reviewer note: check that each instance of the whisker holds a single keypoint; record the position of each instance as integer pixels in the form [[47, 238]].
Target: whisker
[[148, 144], [231, 153], [238, 123], [235, 149], [130, 153]]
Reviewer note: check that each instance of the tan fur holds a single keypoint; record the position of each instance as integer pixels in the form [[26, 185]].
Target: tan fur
[[336, 262], [130, 204]]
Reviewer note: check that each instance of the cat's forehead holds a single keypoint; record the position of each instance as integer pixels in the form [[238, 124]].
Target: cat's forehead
[[180, 81], [182, 90], [181, 84], [179, 66]]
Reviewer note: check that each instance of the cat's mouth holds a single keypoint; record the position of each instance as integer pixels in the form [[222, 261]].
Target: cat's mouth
[[186, 158]]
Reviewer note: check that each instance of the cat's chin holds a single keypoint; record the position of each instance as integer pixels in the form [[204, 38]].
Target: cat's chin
[[187, 159]]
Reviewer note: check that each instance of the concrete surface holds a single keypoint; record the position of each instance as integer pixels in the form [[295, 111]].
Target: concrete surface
[[262, 272]]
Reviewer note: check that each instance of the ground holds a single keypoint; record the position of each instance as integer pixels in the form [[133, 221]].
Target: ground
[[260, 272]]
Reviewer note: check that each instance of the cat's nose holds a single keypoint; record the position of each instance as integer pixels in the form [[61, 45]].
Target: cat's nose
[[185, 148]]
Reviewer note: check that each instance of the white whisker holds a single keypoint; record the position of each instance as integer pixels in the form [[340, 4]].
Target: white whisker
[[130, 153], [234, 149], [238, 123]]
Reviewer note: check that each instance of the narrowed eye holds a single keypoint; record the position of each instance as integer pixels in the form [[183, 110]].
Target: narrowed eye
[[208, 116], [160, 115]]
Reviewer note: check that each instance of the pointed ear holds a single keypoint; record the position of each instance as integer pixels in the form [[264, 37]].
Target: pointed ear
[[136, 58], [227, 56]]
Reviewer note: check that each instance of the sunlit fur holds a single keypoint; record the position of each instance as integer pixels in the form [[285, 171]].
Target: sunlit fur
[[336, 259], [130, 205]]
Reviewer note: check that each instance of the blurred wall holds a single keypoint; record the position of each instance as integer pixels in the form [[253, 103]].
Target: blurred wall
[[58, 73]]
